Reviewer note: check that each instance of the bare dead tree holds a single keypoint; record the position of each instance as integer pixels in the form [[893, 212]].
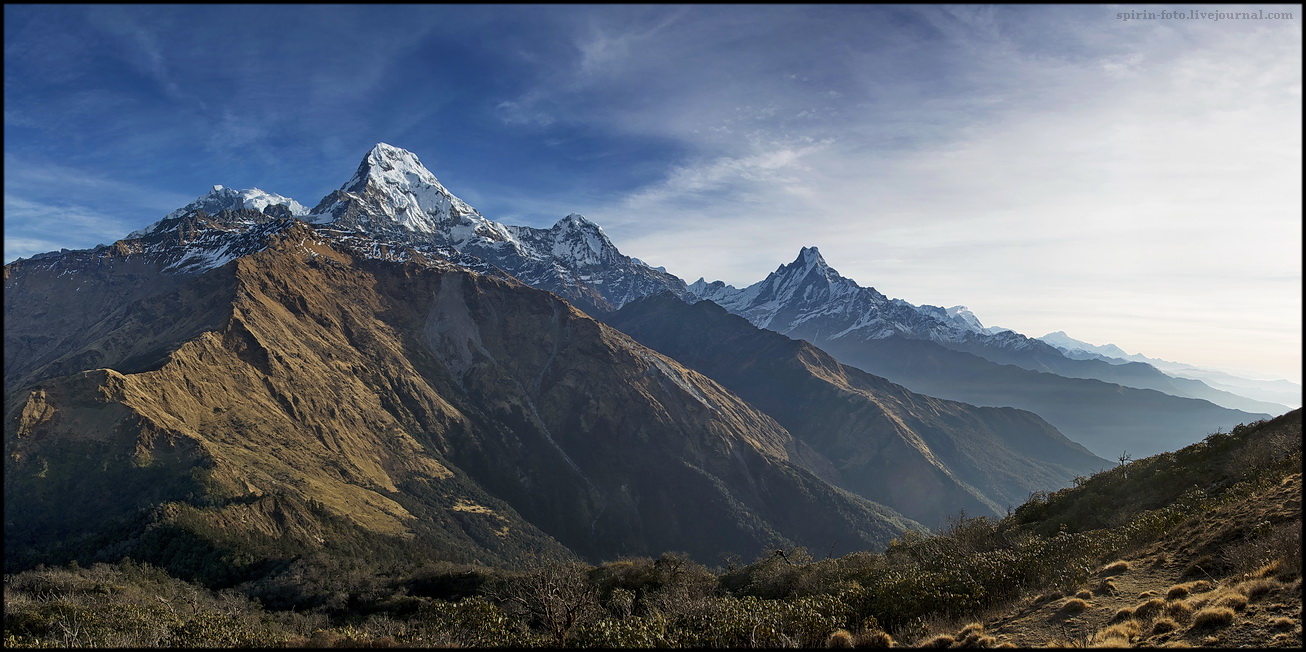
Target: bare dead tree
[[557, 597]]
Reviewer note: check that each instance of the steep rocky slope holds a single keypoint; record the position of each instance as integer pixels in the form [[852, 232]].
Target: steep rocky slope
[[301, 390], [948, 354], [928, 458]]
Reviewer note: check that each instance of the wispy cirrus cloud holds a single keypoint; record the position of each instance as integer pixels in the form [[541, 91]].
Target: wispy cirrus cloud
[[1045, 165], [1130, 156], [34, 220], [50, 206]]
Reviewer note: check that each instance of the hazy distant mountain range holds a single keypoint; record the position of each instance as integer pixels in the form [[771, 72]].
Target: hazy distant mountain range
[[1277, 393], [391, 367]]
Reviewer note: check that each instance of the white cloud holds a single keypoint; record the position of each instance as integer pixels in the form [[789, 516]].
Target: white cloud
[[26, 220], [1159, 176], [1017, 160]]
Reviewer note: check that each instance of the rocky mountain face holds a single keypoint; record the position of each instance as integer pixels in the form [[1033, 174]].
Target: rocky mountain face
[[304, 390], [949, 354], [922, 456], [394, 198], [249, 381], [810, 300]]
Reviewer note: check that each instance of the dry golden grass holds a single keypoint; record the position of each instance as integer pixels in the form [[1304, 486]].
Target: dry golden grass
[[1179, 610], [1123, 613], [1149, 609], [1115, 568], [873, 638], [1084, 594], [942, 640], [1213, 617], [972, 628], [1255, 588], [1073, 605], [839, 638], [1283, 623], [1107, 586], [1163, 625], [1235, 601], [1180, 591], [1126, 630], [1269, 570], [976, 639], [1112, 641]]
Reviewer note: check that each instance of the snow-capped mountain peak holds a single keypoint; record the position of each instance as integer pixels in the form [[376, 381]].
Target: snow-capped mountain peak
[[809, 260], [390, 165], [221, 198], [810, 267], [811, 255], [1065, 342], [580, 241], [393, 208], [809, 299], [963, 314], [393, 190], [958, 317], [575, 221]]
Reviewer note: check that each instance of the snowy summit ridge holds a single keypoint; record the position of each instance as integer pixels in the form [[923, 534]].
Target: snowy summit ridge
[[221, 198], [394, 208], [392, 191], [808, 299]]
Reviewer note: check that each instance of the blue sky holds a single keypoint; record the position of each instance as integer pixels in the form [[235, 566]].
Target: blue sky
[[1053, 168]]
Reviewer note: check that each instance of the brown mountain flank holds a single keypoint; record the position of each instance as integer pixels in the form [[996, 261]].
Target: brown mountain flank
[[926, 457], [389, 394]]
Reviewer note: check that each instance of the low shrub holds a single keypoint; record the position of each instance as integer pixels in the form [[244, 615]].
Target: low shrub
[[1149, 609], [1212, 617], [839, 638], [1255, 588], [1163, 625], [873, 638], [1179, 610], [942, 640], [1126, 630], [1073, 605], [1235, 601], [1114, 568]]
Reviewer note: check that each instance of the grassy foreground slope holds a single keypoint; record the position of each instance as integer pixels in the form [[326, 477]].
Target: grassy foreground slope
[[1199, 547]]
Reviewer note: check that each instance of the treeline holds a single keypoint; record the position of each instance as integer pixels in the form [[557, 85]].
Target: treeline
[[1053, 545]]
